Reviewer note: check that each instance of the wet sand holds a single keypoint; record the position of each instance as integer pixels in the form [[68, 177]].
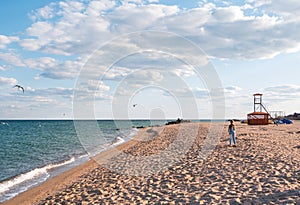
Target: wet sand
[[264, 168]]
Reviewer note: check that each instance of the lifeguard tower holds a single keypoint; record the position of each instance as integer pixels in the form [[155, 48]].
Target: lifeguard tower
[[258, 117]]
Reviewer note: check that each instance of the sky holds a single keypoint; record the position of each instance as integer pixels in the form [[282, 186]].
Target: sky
[[200, 59]]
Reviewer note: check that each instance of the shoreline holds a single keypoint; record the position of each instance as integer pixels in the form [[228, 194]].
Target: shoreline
[[60, 181], [263, 168], [15, 185]]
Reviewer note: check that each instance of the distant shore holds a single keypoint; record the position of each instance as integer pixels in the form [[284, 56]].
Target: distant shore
[[263, 168]]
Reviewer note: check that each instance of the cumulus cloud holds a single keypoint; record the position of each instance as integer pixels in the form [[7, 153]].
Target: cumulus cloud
[[58, 91], [188, 92], [94, 85], [6, 40], [55, 69], [250, 30], [289, 9], [80, 26], [76, 28], [2, 68], [200, 93], [283, 92], [284, 89], [116, 73], [229, 14], [11, 58], [138, 80], [46, 12], [232, 89], [7, 81], [91, 90], [184, 71]]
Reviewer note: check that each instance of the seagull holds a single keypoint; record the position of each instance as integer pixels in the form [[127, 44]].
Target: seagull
[[19, 87], [134, 105]]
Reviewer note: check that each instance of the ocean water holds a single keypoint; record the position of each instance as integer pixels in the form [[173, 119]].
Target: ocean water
[[32, 151]]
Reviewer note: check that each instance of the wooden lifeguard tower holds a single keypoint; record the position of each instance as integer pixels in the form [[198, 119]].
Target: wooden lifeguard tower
[[258, 117]]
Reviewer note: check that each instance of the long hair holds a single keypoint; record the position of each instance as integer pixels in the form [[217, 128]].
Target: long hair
[[231, 126]]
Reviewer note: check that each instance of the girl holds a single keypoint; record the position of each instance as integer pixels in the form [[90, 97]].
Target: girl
[[231, 131]]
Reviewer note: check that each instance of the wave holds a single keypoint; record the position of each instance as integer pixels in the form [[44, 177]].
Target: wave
[[23, 182], [117, 141], [124, 137], [14, 186]]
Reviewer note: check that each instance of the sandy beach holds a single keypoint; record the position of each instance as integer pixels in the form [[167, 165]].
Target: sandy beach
[[264, 168]]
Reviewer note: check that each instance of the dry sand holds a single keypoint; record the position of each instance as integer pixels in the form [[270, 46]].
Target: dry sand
[[264, 168]]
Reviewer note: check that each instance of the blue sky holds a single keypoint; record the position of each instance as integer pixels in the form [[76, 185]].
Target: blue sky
[[45, 46]]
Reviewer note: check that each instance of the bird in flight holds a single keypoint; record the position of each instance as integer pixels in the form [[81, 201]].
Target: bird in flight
[[19, 87]]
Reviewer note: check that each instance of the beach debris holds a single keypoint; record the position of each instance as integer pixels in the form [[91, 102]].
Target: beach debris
[[19, 87], [284, 121]]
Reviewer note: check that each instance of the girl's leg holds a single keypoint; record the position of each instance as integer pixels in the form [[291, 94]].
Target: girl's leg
[[234, 139], [230, 140]]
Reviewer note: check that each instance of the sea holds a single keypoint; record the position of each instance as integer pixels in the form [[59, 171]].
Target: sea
[[32, 151]]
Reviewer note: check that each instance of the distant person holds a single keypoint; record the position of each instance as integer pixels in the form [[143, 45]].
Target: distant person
[[231, 131]]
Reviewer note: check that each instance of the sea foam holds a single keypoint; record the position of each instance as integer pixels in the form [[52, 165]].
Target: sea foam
[[23, 182]]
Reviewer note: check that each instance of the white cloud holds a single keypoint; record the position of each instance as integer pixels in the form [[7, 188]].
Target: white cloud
[[46, 12], [232, 89], [6, 40], [11, 58], [144, 77], [188, 92], [93, 85], [256, 29], [284, 98], [91, 90], [41, 99], [97, 8], [76, 28], [41, 63], [8, 81], [283, 92], [229, 14], [116, 73], [6, 67], [55, 69], [200, 93], [289, 9], [184, 71], [70, 28], [39, 28], [30, 44], [223, 32], [58, 91], [259, 3], [131, 17]]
